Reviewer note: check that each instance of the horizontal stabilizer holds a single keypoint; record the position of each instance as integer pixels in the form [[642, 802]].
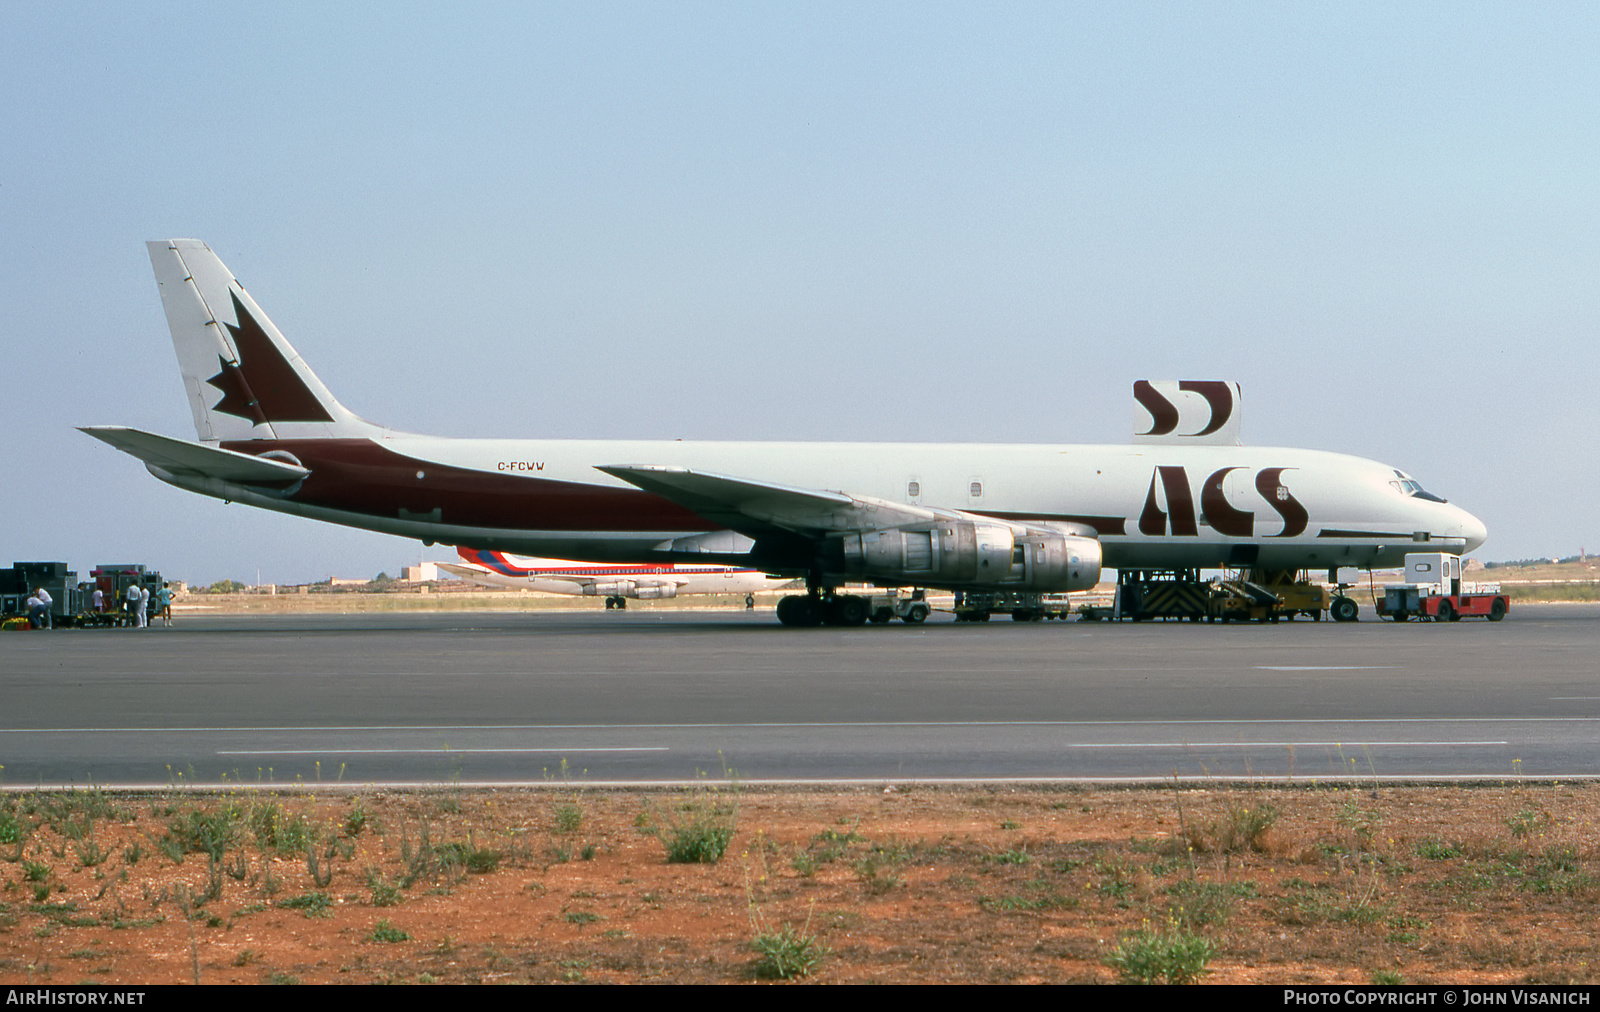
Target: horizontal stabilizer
[[179, 456]]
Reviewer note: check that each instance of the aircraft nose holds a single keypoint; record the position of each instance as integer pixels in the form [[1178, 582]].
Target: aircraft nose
[[1472, 529]]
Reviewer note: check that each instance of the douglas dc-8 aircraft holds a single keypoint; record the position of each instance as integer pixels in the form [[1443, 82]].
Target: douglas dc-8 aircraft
[[648, 581], [981, 519]]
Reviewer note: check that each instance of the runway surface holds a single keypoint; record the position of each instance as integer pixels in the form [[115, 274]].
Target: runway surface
[[600, 697]]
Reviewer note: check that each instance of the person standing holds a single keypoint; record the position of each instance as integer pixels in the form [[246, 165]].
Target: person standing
[[164, 604], [130, 603], [99, 601], [144, 608]]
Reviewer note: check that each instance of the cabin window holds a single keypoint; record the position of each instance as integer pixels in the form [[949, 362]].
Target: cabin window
[[977, 489], [913, 489]]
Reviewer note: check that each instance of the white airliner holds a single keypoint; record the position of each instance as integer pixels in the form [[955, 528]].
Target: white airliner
[[647, 581], [1013, 519]]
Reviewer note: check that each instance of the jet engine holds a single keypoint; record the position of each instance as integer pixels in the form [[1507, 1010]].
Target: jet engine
[[656, 592], [970, 553]]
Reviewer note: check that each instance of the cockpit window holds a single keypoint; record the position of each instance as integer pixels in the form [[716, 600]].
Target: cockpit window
[[1412, 487]]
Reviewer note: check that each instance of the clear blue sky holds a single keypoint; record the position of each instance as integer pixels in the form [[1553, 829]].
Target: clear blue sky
[[829, 221]]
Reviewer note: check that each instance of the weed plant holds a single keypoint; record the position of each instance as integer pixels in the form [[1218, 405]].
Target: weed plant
[[1172, 956], [569, 818], [383, 931], [700, 832], [787, 952], [313, 904]]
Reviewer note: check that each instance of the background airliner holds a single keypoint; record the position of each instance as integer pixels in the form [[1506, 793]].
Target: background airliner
[[612, 581], [1017, 518]]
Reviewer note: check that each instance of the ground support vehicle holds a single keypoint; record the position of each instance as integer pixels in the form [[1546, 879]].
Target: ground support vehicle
[[1169, 593], [1297, 595], [1021, 607], [113, 581], [1242, 595], [1241, 600], [72, 603], [1434, 590], [19, 582], [910, 608]]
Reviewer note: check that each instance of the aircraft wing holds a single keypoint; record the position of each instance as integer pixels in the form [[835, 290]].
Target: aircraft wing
[[179, 456], [755, 507]]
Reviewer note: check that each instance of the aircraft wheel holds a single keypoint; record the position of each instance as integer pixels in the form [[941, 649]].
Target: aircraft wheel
[[1343, 609], [847, 610], [916, 614], [796, 610], [1497, 611], [881, 616]]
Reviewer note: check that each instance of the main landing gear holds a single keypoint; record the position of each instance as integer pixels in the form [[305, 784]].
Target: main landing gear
[[619, 603], [824, 608]]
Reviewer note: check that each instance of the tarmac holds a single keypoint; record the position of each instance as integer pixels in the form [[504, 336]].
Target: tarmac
[[599, 698]]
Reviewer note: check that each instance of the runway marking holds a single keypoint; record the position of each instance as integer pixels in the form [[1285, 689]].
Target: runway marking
[[1326, 667], [1221, 721], [432, 751], [1281, 744]]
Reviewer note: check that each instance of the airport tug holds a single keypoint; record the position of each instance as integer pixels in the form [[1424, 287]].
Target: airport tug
[[1433, 589]]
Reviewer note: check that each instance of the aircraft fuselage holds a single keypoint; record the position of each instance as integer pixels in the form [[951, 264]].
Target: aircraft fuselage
[[1152, 506]]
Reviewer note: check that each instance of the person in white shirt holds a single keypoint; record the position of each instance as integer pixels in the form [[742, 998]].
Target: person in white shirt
[[99, 601], [144, 608], [45, 601]]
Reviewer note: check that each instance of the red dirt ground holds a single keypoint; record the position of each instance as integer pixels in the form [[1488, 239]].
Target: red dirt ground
[[1287, 885]]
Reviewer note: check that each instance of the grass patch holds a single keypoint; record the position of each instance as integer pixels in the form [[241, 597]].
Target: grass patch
[[315, 904], [569, 818], [1161, 957], [699, 833], [787, 952], [383, 931]]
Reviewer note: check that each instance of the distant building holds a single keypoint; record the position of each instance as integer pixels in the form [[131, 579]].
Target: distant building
[[420, 574]]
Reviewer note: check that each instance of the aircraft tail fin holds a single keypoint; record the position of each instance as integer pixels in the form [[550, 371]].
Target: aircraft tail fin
[[490, 560], [1193, 412], [243, 378]]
